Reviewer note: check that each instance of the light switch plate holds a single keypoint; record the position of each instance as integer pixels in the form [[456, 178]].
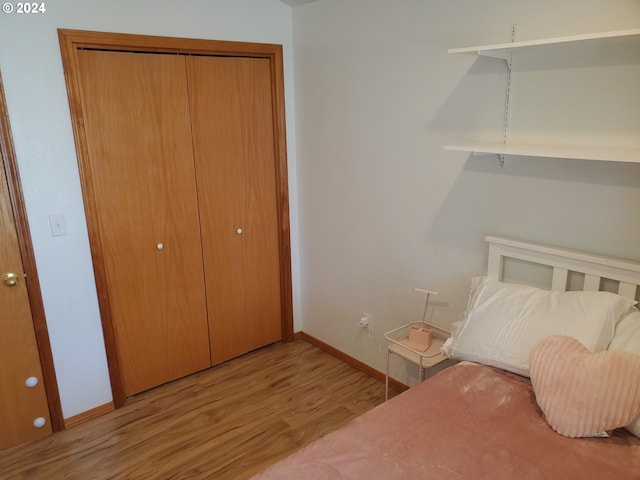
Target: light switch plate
[[58, 225]]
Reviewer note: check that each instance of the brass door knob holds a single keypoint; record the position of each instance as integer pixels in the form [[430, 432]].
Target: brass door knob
[[10, 279]]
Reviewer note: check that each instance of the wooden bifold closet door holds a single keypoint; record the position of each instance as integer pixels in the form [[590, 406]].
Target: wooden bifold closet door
[[182, 169], [233, 144], [137, 124]]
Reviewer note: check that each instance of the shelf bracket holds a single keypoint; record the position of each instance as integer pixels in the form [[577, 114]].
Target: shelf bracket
[[507, 107]]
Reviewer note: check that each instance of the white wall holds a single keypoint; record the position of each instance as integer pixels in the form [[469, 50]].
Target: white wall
[[39, 113], [383, 208]]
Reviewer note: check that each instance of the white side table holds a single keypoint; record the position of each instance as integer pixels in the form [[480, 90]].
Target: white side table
[[425, 360]]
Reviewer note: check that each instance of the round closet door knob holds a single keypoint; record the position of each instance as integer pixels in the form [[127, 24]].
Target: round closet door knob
[[160, 246], [239, 231], [39, 422], [31, 382]]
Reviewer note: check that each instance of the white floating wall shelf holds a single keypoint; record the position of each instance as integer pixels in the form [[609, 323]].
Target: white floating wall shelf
[[504, 51], [629, 155]]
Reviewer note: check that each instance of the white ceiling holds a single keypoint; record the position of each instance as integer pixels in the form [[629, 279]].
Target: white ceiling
[[294, 3]]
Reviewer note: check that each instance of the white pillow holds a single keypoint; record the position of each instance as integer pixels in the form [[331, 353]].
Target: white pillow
[[627, 338], [504, 321], [627, 333]]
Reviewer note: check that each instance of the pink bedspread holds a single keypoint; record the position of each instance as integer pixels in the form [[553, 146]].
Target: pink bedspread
[[467, 422]]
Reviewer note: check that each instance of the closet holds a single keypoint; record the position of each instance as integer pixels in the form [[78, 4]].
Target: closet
[[184, 180]]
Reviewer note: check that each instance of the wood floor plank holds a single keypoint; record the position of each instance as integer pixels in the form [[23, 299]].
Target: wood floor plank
[[227, 422]]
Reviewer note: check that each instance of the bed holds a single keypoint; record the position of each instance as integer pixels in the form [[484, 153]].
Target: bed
[[547, 383]]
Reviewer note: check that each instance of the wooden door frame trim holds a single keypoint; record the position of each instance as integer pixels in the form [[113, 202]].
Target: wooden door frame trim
[[70, 42], [10, 164]]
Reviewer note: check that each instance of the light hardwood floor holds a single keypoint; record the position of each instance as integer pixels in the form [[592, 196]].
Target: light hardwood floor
[[228, 422]]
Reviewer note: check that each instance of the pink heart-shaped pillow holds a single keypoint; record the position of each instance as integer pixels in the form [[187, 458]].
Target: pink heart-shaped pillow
[[583, 393]]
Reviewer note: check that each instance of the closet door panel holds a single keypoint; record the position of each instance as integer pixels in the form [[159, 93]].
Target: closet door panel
[[232, 118], [138, 136]]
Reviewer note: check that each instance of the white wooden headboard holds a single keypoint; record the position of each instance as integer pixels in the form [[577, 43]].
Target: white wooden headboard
[[595, 268]]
